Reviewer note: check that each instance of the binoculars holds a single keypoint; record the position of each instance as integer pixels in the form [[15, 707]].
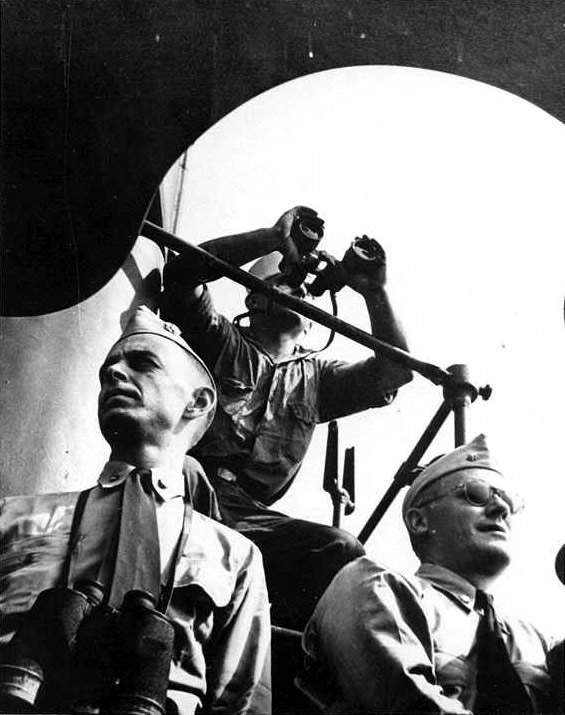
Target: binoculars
[[364, 256], [73, 653]]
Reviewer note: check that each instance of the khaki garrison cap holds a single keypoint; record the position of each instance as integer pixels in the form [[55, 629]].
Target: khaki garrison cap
[[474, 455], [144, 322]]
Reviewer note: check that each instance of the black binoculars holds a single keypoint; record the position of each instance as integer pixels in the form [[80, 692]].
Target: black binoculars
[[73, 653], [364, 256]]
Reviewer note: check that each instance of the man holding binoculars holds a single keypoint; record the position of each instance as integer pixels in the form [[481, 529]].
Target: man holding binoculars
[[272, 393], [123, 599]]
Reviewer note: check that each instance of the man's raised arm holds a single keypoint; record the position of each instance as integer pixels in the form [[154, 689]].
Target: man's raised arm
[[369, 279], [184, 275]]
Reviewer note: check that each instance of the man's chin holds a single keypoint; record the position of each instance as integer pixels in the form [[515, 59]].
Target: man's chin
[[116, 424], [286, 319], [495, 558]]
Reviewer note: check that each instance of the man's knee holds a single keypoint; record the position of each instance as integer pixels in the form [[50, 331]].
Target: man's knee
[[344, 544], [353, 546]]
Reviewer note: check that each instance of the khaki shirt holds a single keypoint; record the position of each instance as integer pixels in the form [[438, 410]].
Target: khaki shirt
[[267, 410], [399, 645], [219, 602]]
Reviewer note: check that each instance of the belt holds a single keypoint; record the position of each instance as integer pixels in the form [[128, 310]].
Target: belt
[[255, 489]]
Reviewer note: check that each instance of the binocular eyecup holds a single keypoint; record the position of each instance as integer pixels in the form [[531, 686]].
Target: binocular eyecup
[[364, 256]]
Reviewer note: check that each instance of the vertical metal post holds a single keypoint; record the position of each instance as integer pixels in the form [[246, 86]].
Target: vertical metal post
[[349, 479], [336, 516], [460, 393], [459, 419], [331, 476]]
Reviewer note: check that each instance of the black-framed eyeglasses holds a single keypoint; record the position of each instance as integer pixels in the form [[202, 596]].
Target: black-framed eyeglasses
[[479, 493]]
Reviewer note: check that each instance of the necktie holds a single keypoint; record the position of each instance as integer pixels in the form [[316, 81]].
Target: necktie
[[499, 689], [137, 563]]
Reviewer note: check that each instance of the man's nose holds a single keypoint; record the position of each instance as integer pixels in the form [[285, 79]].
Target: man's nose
[[115, 372], [498, 505]]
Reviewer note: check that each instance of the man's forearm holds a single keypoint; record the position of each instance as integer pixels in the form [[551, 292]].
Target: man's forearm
[[386, 327], [189, 272], [242, 248], [183, 277]]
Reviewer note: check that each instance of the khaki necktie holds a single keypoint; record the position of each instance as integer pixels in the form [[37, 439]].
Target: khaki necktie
[[137, 562], [499, 689]]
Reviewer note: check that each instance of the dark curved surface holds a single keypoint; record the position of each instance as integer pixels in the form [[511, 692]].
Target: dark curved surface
[[99, 98]]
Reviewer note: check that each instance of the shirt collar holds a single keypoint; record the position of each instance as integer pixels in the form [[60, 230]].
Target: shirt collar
[[167, 485], [449, 582], [298, 354]]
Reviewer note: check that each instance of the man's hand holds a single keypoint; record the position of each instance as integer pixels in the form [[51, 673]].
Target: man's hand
[[189, 271], [363, 283], [363, 269], [345, 498], [364, 266], [291, 255]]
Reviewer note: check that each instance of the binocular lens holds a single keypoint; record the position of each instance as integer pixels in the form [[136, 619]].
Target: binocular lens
[[19, 686], [36, 662]]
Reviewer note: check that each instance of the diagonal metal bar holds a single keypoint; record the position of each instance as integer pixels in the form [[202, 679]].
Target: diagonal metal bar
[[402, 476], [431, 372]]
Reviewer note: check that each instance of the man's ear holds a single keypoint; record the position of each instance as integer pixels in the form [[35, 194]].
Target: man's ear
[[203, 400], [251, 301], [417, 521]]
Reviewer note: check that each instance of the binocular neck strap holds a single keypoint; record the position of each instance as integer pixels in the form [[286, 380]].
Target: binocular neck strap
[[74, 537]]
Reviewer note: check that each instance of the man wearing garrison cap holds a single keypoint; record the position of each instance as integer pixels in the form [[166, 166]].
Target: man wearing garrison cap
[[433, 643], [136, 529], [272, 394]]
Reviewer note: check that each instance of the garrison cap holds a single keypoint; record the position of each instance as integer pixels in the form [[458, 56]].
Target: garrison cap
[[144, 322], [475, 455]]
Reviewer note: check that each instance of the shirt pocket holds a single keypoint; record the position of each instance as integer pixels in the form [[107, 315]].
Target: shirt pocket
[[537, 682], [456, 677], [302, 418]]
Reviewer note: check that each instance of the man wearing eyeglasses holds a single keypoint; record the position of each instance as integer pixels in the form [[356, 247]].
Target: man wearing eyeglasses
[[433, 643]]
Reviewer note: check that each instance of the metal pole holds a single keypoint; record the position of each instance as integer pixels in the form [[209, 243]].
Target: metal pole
[[459, 419], [401, 478], [459, 394], [336, 516], [349, 479], [164, 238], [331, 471]]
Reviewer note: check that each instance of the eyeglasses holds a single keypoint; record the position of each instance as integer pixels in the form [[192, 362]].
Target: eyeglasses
[[479, 493]]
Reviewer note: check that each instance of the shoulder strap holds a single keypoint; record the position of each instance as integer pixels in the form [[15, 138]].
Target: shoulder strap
[[74, 535]]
